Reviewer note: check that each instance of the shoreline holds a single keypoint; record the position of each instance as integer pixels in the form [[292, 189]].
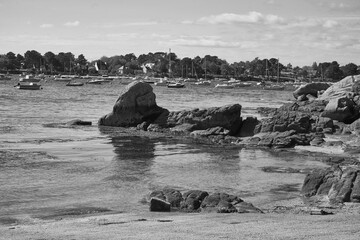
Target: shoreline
[[176, 225]]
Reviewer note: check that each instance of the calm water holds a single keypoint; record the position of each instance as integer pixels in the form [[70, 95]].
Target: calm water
[[49, 170]]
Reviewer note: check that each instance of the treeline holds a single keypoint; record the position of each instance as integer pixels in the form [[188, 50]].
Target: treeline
[[158, 65]]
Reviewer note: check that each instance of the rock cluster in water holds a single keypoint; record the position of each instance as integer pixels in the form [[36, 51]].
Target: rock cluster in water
[[168, 199], [319, 109]]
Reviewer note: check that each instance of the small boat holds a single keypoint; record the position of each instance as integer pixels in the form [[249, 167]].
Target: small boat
[[74, 84], [224, 85], [203, 83], [96, 81], [4, 77], [28, 86], [162, 82], [175, 85], [30, 79], [64, 78], [274, 87]]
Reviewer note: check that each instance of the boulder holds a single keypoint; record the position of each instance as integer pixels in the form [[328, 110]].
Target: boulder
[[227, 117], [341, 109], [248, 127], [220, 202], [342, 88], [172, 196], [78, 122], [159, 205], [338, 184], [311, 89], [192, 200], [135, 105]]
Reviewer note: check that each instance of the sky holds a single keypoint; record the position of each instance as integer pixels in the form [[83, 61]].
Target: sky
[[299, 32]]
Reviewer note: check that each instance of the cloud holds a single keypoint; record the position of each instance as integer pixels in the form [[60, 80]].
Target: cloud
[[46, 25], [72, 24], [251, 17], [140, 23], [210, 41]]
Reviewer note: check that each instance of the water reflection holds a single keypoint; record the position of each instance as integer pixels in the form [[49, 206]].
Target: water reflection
[[134, 158]]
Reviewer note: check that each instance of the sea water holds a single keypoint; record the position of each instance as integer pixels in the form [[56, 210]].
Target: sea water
[[48, 170]]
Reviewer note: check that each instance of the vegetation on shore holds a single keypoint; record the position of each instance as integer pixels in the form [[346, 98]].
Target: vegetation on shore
[[157, 64]]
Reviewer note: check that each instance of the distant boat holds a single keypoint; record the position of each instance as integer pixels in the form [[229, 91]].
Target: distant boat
[[74, 84], [28, 86], [30, 79], [161, 82], [176, 85], [64, 78], [4, 77], [224, 85], [203, 83], [274, 87]]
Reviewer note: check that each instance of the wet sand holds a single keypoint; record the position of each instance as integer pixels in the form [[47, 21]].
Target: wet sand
[[282, 222]]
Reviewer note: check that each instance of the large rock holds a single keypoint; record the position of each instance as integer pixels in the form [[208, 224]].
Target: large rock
[[342, 88], [227, 117], [135, 105], [338, 184], [310, 88], [341, 109]]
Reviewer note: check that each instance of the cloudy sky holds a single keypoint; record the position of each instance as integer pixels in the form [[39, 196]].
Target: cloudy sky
[[299, 32]]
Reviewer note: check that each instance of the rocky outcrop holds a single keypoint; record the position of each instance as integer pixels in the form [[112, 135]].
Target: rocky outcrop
[[135, 105], [344, 88], [305, 92], [338, 184], [199, 201]]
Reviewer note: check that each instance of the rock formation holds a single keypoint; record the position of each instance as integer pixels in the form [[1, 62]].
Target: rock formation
[[135, 105], [198, 201]]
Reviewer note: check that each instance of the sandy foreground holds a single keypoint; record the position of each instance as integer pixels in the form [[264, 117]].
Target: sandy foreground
[[297, 223]]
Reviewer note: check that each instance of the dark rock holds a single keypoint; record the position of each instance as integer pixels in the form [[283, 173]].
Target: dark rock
[[248, 127], [227, 117], [355, 194], [159, 205], [310, 88], [245, 207], [341, 109], [339, 184], [135, 105], [220, 202], [172, 196], [192, 200], [78, 122]]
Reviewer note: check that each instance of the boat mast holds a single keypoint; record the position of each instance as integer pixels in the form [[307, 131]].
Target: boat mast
[[205, 67], [169, 62], [278, 71]]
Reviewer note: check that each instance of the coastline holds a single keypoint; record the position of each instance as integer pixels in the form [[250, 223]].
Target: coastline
[[297, 224]]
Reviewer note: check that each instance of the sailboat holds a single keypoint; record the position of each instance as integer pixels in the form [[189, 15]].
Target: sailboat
[[273, 86], [173, 84]]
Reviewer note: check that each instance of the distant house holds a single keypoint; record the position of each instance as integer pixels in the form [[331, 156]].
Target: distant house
[[147, 67], [120, 70]]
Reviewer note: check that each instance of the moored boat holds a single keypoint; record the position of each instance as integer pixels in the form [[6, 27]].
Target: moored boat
[[30, 79], [4, 77], [28, 86], [176, 85], [74, 84]]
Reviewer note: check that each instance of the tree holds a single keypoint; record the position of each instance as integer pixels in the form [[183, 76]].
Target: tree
[[349, 69], [333, 71], [33, 59]]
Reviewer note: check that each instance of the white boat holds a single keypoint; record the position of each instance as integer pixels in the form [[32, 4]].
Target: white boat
[[224, 85], [4, 77], [176, 85], [96, 81], [274, 87], [161, 82], [28, 86], [30, 79], [203, 83], [64, 78]]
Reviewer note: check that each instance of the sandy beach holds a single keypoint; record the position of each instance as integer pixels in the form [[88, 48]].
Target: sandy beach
[[282, 222]]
